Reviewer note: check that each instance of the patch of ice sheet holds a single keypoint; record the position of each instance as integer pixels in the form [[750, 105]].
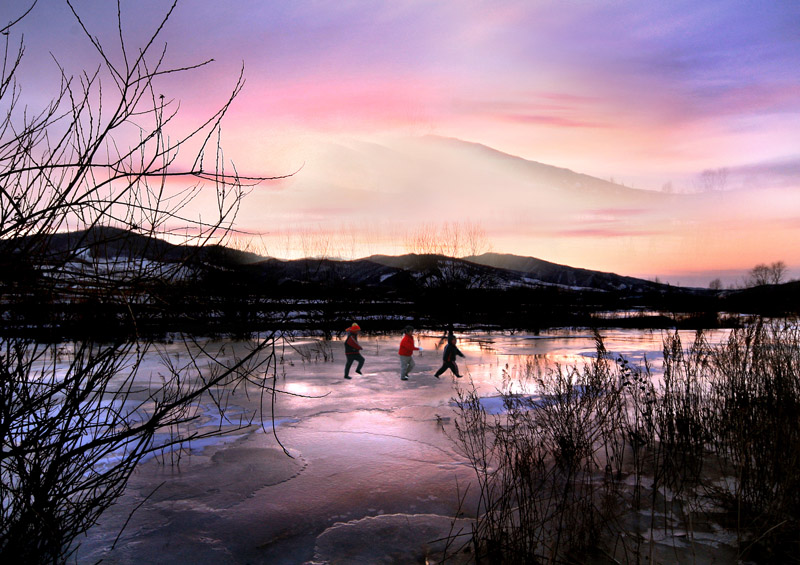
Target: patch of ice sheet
[[493, 404], [404, 538], [680, 546], [533, 344], [236, 416], [246, 470], [213, 421], [498, 404]]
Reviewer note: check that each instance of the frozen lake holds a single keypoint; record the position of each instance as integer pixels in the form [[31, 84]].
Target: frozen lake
[[374, 476]]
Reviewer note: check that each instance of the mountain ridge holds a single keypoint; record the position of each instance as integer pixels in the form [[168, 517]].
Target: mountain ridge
[[558, 273], [554, 175], [487, 270]]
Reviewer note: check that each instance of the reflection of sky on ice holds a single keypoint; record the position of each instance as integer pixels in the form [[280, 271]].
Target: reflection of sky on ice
[[522, 357], [494, 364]]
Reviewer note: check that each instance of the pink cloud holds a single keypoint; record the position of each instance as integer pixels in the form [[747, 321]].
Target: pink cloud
[[605, 233], [541, 119], [751, 99], [346, 102], [547, 108], [605, 212]]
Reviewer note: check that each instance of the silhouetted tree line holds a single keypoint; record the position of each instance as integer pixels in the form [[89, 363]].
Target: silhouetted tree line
[[215, 293]]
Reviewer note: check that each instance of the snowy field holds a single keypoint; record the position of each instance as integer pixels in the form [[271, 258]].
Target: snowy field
[[374, 476]]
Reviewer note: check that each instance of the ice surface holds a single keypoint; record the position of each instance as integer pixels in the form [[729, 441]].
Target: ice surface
[[399, 536], [374, 476]]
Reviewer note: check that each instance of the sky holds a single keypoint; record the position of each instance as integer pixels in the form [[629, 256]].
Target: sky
[[349, 95]]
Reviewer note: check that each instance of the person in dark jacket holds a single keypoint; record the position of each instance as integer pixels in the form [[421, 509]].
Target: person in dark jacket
[[352, 350], [449, 358]]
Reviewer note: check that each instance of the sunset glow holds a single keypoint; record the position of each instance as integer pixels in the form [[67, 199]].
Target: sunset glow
[[396, 115]]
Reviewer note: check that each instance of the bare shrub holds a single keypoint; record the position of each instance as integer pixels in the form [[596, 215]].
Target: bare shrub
[[683, 412], [542, 465], [713, 180], [755, 384], [77, 416], [764, 273], [715, 439], [451, 239]]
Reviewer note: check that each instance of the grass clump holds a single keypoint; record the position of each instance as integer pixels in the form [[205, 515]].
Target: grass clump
[[614, 463]]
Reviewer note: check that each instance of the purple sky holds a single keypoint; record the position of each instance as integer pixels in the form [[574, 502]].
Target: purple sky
[[647, 93]]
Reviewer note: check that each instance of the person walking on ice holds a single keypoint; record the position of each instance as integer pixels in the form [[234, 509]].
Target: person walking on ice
[[407, 349], [352, 350], [449, 358]]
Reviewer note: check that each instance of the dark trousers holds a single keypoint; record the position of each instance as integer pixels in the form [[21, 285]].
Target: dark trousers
[[448, 365], [350, 358]]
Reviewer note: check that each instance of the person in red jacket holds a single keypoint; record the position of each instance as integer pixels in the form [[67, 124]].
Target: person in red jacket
[[352, 350], [407, 349]]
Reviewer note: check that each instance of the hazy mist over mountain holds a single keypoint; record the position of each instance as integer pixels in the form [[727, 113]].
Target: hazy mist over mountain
[[353, 199]]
